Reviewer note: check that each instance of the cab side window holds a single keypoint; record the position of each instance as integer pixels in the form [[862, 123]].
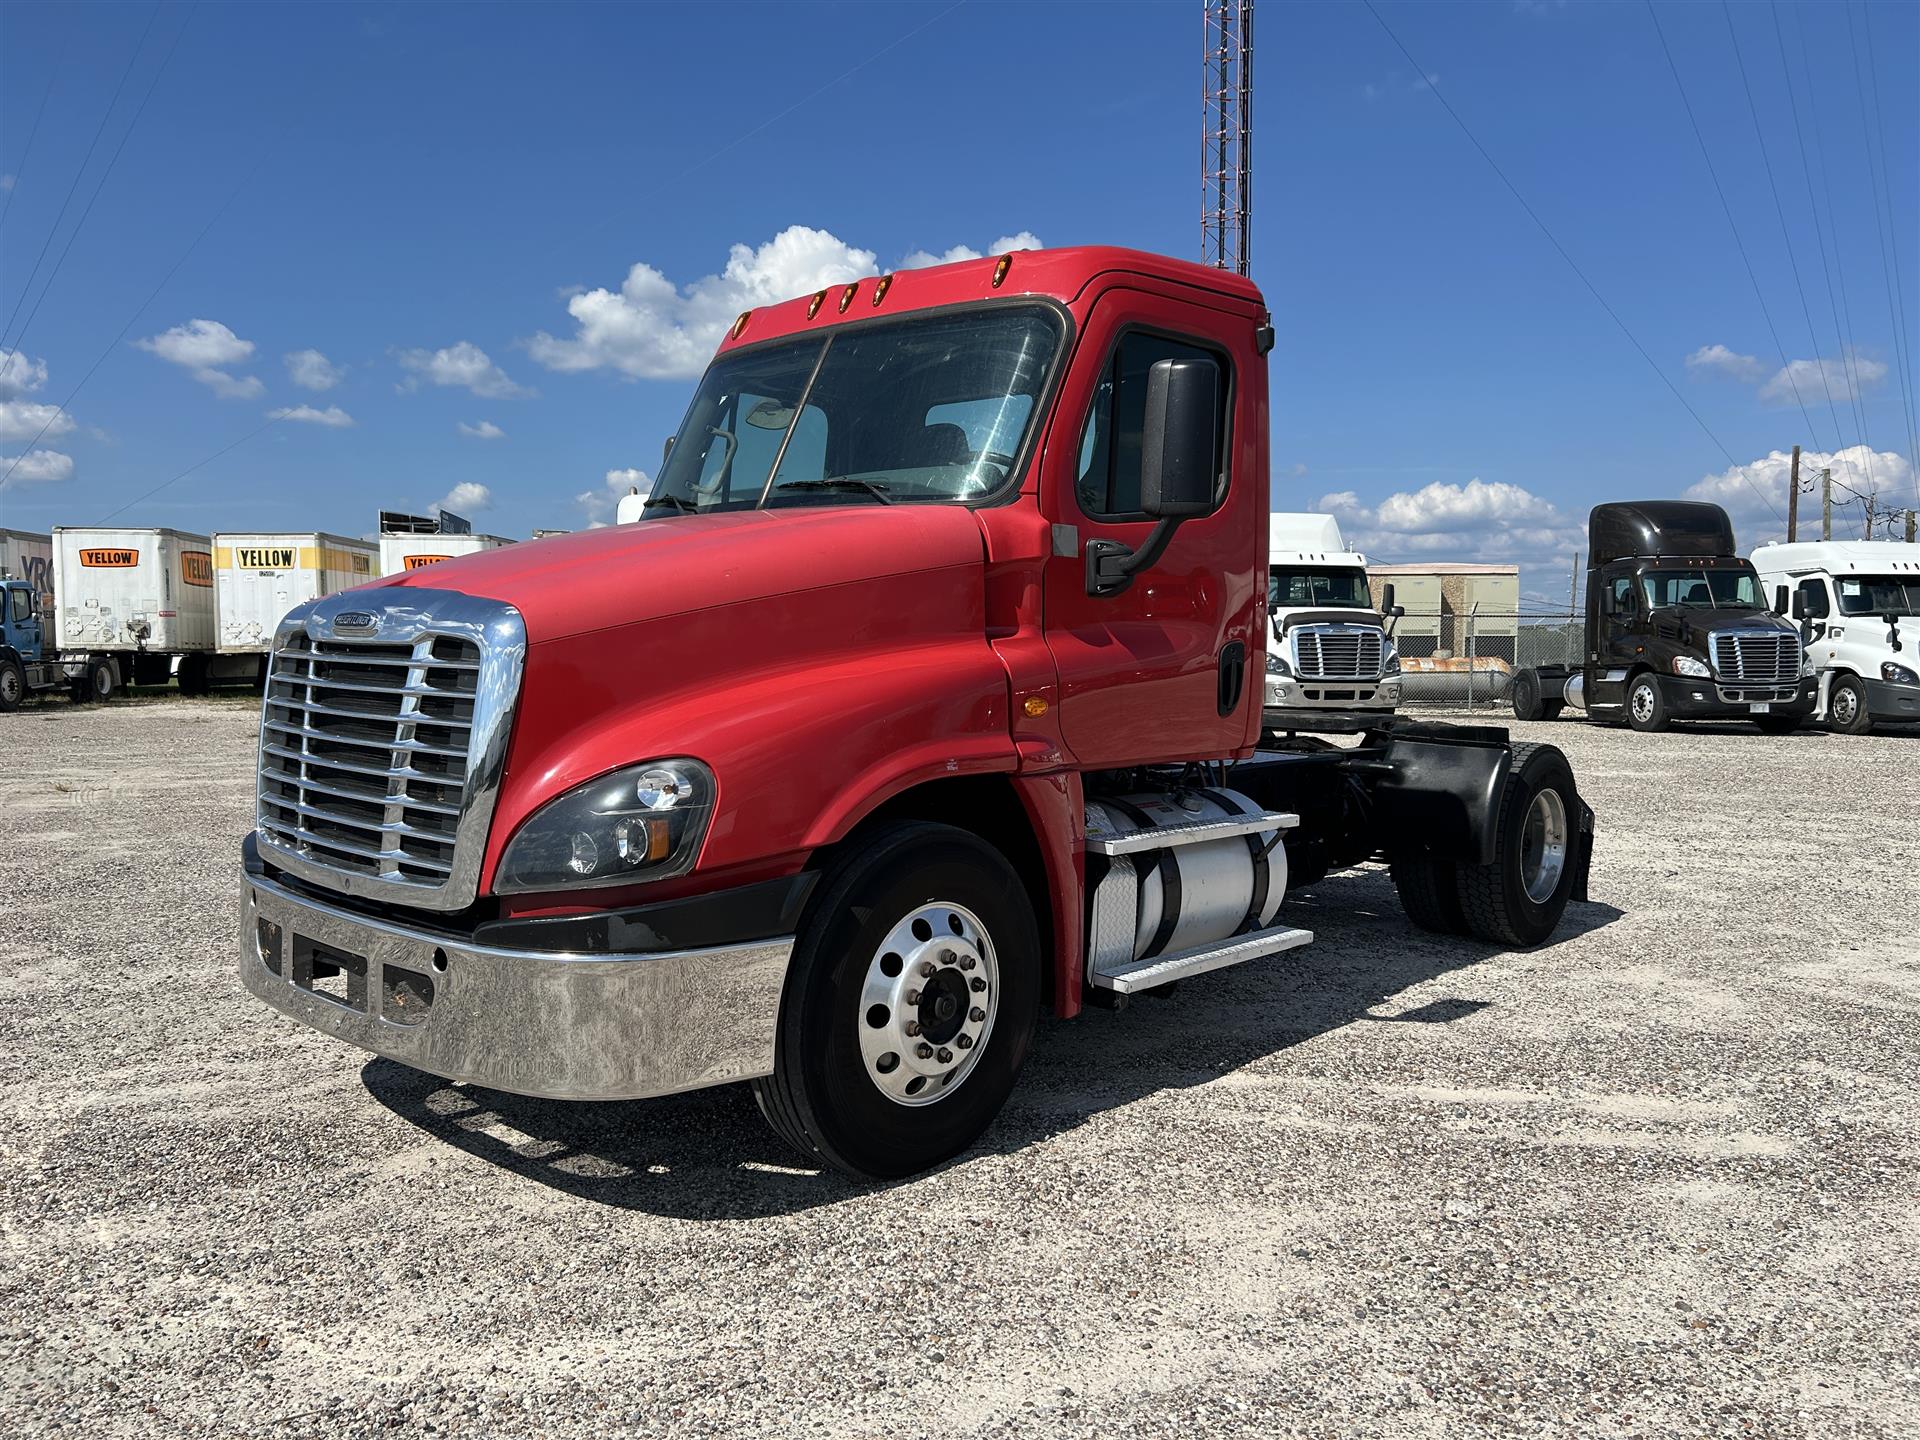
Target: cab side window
[[1813, 595], [1620, 595], [1107, 481], [22, 607]]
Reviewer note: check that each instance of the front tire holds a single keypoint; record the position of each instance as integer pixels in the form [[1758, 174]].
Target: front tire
[[1646, 707], [1847, 707], [910, 1003], [13, 685]]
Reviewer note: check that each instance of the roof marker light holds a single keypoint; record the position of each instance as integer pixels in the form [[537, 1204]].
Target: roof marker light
[[739, 325], [846, 296], [880, 292], [813, 305], [1000, 270]]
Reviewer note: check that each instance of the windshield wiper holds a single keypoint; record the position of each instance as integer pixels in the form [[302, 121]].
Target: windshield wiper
[[840, 482], [663, 498]]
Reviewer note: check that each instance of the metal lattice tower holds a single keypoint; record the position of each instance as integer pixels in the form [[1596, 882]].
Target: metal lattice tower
[[1226, 145]]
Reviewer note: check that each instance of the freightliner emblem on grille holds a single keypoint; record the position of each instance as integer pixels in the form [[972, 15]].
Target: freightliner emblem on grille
[[356, 622]]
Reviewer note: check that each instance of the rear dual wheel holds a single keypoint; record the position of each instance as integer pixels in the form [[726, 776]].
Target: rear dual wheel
[[1518, 899], [97, 685], [910, 1003]]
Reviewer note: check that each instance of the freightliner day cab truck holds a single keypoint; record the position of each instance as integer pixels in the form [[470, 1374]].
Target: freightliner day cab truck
[[1331, 664], [919, 701], [1678, 628], [1858, 606]]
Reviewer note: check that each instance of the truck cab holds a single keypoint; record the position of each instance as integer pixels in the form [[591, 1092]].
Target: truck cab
[[921, 702], [1857, 603], [29, 664], [1331, 662], [1678, 628]]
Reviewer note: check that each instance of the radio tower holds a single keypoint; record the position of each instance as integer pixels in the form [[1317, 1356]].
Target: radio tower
[[1226, 143]]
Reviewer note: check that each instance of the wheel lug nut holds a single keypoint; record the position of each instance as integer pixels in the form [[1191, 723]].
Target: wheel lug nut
[[913, 1027], [927, 969], [913, 997], [944, 1055], [976, 1014], [978, 985], [924, 1051], [967, 962], [965, 1042]]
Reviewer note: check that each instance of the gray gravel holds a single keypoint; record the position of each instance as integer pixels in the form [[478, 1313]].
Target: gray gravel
[[1657, 1178]]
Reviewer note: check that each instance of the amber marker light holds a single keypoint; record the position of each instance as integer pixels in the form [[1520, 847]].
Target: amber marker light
[[880, 291], [846, 296], [1034, 705], [739, 325], [813, 305], [1000, 269]]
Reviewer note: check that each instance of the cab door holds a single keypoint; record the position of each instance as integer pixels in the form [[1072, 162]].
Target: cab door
[[1161, 671], [1614, 639]]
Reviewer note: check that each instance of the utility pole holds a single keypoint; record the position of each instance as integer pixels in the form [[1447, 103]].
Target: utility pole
[[1912, 516], [1793, 499], [1868, 498], [1226, 145], [1826, 504]]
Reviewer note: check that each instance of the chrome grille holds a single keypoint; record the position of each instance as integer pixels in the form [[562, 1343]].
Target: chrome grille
[[380, 750], [1327, 652], [1755, 657]]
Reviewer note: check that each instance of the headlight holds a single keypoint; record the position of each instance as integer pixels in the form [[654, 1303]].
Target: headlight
[[1392, 662], [1687, 665], [1898, 674], [644, 822], [1277, 666]]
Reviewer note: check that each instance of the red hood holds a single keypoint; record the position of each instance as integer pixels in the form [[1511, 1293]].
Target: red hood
[[571, 584]]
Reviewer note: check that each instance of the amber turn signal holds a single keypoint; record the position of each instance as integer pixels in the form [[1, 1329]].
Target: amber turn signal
[[739, 325], [1034, 705]]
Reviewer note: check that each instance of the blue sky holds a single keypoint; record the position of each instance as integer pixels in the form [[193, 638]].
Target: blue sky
[[420, 194]]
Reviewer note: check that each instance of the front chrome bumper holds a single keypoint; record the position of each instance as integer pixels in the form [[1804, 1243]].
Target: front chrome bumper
[[562, 1026]]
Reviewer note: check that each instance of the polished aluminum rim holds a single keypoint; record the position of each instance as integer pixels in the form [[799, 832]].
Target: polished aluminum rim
[[1643, 701], [928, 1003], [1543, 846], [1845, 705]]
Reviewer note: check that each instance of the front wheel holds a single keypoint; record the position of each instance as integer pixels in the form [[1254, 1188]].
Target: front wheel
[[13, 684], [1646, 707], [1847, 707], [910, 1003]]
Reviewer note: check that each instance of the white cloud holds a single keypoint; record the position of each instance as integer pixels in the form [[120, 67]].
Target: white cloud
[[601, 504], [1478, 522], [311, 370], [920, 259], [652, 329], [37, 467], [206, 349], [29, 420], [333, 417], [1755, 494], [20, 374], [6, 182], [485, 430], [1801, 380], [1719, 359], [463, 364], [466, 498]]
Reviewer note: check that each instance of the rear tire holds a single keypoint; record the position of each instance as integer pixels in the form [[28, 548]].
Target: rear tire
[[194, 675], [912, 910], [1519, 899], [1430, 892], [13, 685], [1527, 704], [1847, 707], [1646, 706], [1550, 709]]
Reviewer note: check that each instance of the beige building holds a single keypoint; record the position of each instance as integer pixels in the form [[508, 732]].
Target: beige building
[[1439, 598]]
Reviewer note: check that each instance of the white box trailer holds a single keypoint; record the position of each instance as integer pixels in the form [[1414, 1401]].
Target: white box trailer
[[416, 552], [260, 575], [122, 589], [27, 556]]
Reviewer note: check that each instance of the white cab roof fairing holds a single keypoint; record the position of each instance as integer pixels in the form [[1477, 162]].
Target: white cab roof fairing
[[1295, 537], [1838, 557]]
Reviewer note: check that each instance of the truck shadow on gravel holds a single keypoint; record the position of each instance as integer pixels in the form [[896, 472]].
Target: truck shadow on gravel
[[708, 1155]]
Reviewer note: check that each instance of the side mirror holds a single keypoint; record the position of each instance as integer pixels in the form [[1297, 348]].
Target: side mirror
[[1780, 600], [1179, 442], [666, 451], [1179, 467], [1799, 607]]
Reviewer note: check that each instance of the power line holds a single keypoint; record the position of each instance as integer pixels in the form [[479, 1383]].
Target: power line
[[71, 189], [1903, 342], [1726, 209], [20, 168], [74, 234], [1780, 213], [1561, 250], [276, 418]]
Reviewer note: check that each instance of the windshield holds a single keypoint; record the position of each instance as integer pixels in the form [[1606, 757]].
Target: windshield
[[1290, 588], [1705, 589], [926, 408], [1878, 594]]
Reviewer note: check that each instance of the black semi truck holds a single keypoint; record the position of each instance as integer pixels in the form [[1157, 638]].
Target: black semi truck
[[1677, 629]]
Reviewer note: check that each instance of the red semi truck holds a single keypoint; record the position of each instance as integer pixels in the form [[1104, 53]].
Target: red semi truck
[[926, 695]]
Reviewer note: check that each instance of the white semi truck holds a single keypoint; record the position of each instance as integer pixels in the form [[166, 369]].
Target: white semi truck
[[1858, 605], [1332, 664], [260, 576]]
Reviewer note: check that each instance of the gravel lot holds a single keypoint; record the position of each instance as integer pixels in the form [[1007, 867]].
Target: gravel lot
[[1658, 1178]]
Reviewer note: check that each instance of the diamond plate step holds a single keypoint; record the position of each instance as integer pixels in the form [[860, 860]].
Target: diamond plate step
[[1193, 833], [1137, 975]]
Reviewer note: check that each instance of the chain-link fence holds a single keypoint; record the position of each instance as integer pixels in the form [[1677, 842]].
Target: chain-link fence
[[1466, 659]]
